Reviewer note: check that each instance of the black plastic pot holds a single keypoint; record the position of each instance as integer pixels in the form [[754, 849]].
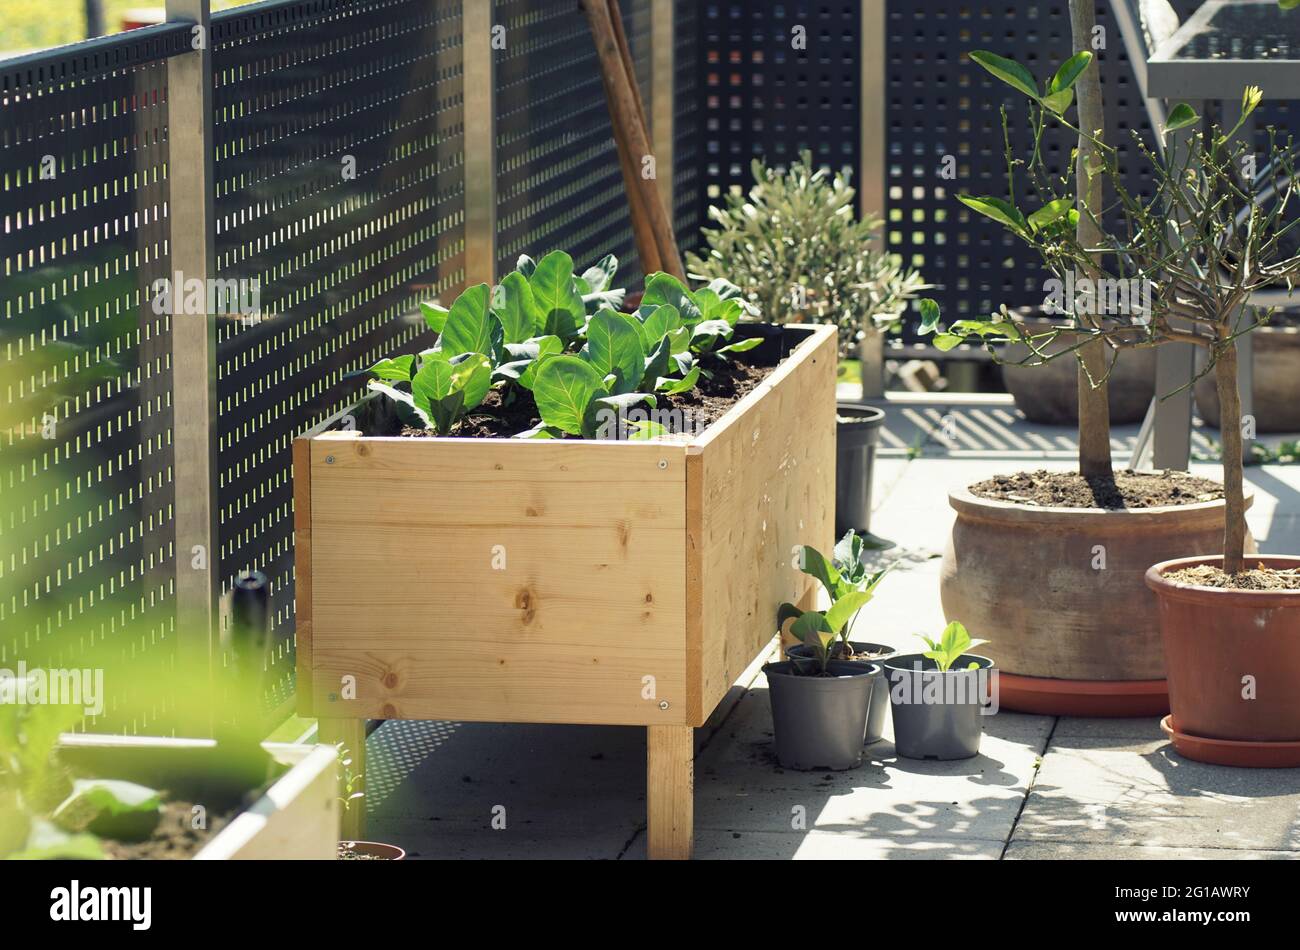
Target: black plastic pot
[[879, 652], [937, 715], [857, 433], [820, 721]]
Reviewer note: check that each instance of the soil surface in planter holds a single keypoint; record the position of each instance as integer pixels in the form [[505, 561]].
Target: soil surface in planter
[[699, 408], [1127, 489], [1259, 578], [173, 839]]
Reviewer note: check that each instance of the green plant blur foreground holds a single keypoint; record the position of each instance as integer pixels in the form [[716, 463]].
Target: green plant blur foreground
[[797, 250]]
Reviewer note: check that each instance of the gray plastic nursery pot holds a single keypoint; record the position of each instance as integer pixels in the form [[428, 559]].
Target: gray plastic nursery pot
[[937, 715], [876, 653], [820, 721], [857, 434]]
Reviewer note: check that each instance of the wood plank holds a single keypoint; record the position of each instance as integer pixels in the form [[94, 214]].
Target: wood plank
[[302, 572], [502, 681], [759, 482], [670, 792], [499, 580]]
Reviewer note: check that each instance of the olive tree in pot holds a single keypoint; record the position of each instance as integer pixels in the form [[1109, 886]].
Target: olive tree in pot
[[799, 253], [1137, 284], [1204, 245], [849, 560], [939, 697]]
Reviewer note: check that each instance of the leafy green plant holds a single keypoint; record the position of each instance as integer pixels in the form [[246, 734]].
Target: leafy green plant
[[575, 400], [798, 252], [948, 649], [851, 585], [559, 335]]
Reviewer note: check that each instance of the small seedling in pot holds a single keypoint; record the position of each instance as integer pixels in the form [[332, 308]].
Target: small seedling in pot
[[851, 585], [950, 646]]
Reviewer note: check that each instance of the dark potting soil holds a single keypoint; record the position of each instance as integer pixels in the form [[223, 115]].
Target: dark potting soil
[[1127, 489], [173, 839], [686, 412], [1256, 578]]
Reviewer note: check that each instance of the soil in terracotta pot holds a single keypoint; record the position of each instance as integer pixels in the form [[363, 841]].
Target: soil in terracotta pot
[[1126, 490], [173, 839], [1258, 578], [700, 407]]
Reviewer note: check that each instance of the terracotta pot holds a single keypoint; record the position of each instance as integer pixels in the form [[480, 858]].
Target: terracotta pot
[[1071, 638], [1213, 640], [1049, 394], [1277, 383]]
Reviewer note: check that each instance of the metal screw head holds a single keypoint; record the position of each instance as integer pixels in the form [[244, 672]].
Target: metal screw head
[[663, 463], [663, 704], [329, 460]]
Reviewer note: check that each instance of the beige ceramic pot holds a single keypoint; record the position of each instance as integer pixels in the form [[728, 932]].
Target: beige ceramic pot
[[1277, 383], [1060, 593]]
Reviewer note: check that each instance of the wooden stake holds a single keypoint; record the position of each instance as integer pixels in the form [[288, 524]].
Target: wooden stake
[[650, 222]]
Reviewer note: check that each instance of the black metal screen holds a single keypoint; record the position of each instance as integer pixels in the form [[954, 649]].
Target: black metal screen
[[688, 210], [776, 78], [559, 184], [339, 189], [86, 539], [944, 112]]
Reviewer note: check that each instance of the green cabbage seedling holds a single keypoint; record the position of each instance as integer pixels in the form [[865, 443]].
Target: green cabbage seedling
[[951, 645]]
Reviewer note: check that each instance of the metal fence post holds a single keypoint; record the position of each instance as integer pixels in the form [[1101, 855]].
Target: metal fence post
[[193, 335], [662, 100], [873, 171], [480, 143]]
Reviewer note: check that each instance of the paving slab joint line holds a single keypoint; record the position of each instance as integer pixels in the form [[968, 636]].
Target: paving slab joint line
[[1029, 787]]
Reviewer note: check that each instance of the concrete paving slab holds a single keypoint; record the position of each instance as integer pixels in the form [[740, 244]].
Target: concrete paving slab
[[431, 840], [889, 807], [559, 777], [1076, 727], [1074, 851], [1108, 791], [836, 845]]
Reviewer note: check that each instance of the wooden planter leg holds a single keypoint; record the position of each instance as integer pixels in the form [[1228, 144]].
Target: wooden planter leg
[[670, 792], [351, 735]]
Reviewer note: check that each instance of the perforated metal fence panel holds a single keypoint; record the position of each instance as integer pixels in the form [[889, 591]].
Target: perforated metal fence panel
[[559, 185], [688, 210], [941, 105], [86, 545], [340, 190], [776, 78]]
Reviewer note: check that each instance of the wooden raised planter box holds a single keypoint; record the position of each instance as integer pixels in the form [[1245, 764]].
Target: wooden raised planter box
[[296, 818], [612, 583]]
